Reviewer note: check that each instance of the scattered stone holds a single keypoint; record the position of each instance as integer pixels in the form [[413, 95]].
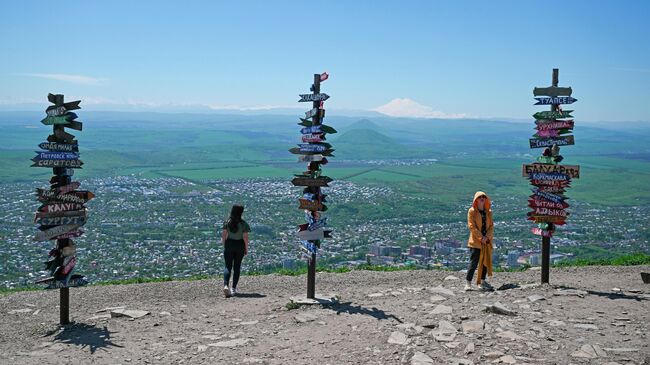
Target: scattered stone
[[570, 292], [451, 277], [108, 309], [499, 308], [469, 348], [585, 326], [131, 313], [617, 290], [398, 338], [452, 345], [305, 317], [442, 309], [375, 295], [461, 362], [507, 359], [446, 332], [621, 349], [509, 335], [493, 354], [100, 316], [428, 323], [17, 311], [555, 323], [253, 360], [442, 291], [202, 348], [536, 298], [472, 326], [585, 352], [249, 323], [420, 358], [437, 298], [231, 343], [164, 313]]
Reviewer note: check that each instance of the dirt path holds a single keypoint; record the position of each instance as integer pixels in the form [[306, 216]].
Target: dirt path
[[595, 315]]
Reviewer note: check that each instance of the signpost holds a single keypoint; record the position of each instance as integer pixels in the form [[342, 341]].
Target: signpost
[[549, 178], [312, 151], [63, 211]]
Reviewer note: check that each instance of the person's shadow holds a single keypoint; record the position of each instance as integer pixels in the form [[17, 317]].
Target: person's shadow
[[249, 295], [352, 309], [84, 335]]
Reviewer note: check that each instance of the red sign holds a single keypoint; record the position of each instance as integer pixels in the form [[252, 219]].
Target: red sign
[[542, 232], [534, 203], [324, 76]]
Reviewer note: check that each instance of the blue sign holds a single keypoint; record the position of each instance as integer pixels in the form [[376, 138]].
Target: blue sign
[[57, 155], [310, 130], [556, 100], [309, 247]]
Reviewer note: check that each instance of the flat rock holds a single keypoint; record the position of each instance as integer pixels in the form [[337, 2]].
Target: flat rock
[[231, 343], [305, 317], [493, 354], [585, 326], [420, 358], [469, 348], [109, 309], [507, 359], [621, 349], [437, 298], [18, 311], [509, 335], [555, 323], [398, 338], [446, 332], [536, 298], [131, 313], [570, 292], [249, 323], [451, 277], [442, 291], [472, 326], [585, 352], [442, 309], [375, 295], [461, 362], [318, 299]]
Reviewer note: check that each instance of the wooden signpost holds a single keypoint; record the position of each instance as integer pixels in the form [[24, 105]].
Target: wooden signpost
[[549, 178], [63, 211], [312, 150]]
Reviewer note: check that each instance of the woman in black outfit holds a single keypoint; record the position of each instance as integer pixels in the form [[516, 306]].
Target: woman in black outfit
[[234, 238]]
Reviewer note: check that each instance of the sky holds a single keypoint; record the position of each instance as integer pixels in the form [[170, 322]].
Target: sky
[[432, 59]]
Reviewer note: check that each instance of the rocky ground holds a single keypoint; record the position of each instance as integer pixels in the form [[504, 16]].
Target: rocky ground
[[594, 315]]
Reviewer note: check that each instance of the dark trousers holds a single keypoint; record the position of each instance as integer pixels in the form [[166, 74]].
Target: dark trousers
[[473, 264], [233, 254]]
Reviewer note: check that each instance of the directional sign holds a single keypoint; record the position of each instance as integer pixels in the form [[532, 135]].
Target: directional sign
[[555, 100], [54, 221], [314, 206], [536, 203], [61, 136], [552, 91], [50, 233], [324, 76], [74, 164], [68, 188], [309, 246], [297, 151], [560, 141], [79, 197], [541, 232], [551, 133], [556, 183], [572, 171], [67, 213], [60, 147], [542, 195], [62, 119], [71, 234], [547, 219], [57, 155], [317, 234], [553, 114], [306, 181], [551, 189], [60, 207], [311, 158], [55, 111], [318, 129], [74, 125], [557, 176], [314, 137], [320, 147], [313, 97], [544, 124], [73, 282], [549, 212]]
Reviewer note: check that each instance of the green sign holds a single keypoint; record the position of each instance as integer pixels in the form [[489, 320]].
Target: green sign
[[553, 114], [552, 91]]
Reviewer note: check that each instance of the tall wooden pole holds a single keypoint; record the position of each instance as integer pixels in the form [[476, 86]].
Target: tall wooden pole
[[546, 241], [61, 179], [311, 270]]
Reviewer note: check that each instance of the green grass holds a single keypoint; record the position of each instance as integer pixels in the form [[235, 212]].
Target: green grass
[[624, 260]]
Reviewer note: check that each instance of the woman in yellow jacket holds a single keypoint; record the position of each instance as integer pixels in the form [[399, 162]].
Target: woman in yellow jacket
[[481, 234]]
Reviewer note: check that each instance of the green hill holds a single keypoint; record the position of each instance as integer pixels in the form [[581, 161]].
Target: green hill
[[362, 144]]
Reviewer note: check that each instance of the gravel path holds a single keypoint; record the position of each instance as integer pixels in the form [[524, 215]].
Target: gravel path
[[594, 315]]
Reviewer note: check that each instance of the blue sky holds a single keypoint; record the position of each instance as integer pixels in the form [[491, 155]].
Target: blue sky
[[417, 58]]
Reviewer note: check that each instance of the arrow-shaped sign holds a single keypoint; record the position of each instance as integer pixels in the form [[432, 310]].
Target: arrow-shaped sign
[[61, 136], [544, 124], [547, 114], [550, 133], [552, 91], [56, 156], [548, 196], [555, 100], [571, 170], [311, 158], [59, 147], [554, 176], [55, 221], [536, 203], [56, 110], [541, 232], [314, 112], [560, 141], [298, 151], [318, 129], [548, 219], [60, 207], [73, 164], [309, 246], [313, 97], [80, 197], [320, 147], [313, 137], [317, 234], [55, 231], [307, 181]]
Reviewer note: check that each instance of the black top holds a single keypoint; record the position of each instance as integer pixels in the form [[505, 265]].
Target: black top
[[483, 221]]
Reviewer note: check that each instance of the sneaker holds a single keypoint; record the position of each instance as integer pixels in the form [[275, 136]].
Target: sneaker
[[486, 286], [226, 291], [233, 292], [468, 286]]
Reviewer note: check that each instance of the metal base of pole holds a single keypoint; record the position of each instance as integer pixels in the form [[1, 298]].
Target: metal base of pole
[[546, 258], [64, 305], [311, 277]]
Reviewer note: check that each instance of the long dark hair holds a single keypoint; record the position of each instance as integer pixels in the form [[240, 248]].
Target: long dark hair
[[235, 218]]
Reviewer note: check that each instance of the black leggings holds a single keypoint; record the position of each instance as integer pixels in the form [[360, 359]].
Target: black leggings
[[473, 264], [233, 254]]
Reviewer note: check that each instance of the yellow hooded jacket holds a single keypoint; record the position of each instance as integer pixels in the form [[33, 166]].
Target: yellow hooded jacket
[[475, 223]]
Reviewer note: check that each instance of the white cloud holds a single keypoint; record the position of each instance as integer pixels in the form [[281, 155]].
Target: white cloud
[[75, 79], [411, 109]]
